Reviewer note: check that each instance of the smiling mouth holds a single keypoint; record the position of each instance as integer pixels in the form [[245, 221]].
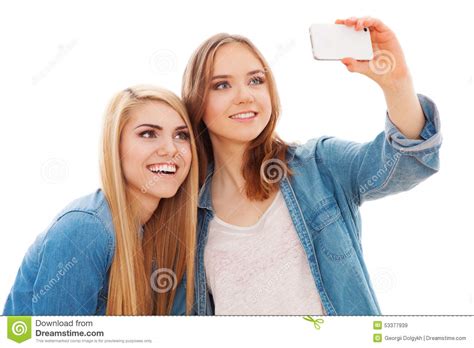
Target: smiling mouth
[[244, 115], [163, 168]]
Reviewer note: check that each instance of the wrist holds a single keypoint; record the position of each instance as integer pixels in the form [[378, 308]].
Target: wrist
[[400, 85]]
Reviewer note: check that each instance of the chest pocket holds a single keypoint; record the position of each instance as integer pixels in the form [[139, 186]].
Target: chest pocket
[[329, 232]]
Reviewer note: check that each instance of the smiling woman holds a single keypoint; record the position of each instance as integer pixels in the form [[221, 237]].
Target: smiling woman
[[136, 233], [156, 153], [279, 224]]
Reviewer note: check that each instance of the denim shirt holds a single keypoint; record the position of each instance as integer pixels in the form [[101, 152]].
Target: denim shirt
[[332, 178], [66, 270]]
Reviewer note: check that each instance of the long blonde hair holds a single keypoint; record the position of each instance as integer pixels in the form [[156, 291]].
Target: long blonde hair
[[265, 148], [169, 236]]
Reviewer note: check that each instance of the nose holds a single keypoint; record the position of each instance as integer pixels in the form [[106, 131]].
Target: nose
[[166, 147], [243, 95]]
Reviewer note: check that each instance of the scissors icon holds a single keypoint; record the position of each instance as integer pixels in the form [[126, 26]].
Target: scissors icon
[[315, 322]]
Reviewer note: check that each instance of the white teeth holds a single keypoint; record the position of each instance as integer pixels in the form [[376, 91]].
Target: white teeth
[[155, 168], [245, 115]]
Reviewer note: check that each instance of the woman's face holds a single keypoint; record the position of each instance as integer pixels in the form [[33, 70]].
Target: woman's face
[[238, 105], [155, 151]]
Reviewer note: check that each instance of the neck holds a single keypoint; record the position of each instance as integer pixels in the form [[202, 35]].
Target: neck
[[228, 160], [145, 206]]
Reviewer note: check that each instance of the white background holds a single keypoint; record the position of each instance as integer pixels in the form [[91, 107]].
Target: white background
[[61, 62]]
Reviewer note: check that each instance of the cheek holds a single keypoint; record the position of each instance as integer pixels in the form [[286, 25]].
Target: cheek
[[131, 156], [217, 105], [210, 114], [265, 101], [185, 151]]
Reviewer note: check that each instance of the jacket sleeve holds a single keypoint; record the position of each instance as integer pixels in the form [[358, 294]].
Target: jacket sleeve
[[71, 266], [389, 164]]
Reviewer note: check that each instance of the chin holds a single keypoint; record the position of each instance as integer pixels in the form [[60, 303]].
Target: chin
[[245, 138], [246, 135], [164, 193]]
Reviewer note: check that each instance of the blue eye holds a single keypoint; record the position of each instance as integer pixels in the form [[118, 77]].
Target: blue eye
[[257, 80], [220, 85]]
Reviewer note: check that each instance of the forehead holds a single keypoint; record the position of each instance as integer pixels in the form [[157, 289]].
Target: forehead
[[155, 112], [235, 58]]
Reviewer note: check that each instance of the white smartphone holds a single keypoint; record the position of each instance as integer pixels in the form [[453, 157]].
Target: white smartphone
[[337, 41]]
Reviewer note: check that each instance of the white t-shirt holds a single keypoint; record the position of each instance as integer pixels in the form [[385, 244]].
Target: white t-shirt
[[260, 269]]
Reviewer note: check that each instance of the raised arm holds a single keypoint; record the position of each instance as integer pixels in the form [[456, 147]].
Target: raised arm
[[390, 71]]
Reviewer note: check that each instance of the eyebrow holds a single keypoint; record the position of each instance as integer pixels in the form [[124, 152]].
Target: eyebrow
[[227, 76], [155, 126]]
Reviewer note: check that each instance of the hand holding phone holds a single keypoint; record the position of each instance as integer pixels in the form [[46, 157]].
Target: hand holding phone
[[337, 41]]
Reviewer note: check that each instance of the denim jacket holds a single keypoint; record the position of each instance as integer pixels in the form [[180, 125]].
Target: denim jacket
[[66, 270], [332, 178]]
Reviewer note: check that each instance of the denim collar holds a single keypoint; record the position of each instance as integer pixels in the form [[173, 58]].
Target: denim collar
[[205, 198]]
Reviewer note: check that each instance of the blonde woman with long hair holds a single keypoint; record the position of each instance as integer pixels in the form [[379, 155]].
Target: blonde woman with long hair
[[128, 248]]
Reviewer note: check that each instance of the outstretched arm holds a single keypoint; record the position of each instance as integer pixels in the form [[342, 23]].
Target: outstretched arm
[[389, 70]]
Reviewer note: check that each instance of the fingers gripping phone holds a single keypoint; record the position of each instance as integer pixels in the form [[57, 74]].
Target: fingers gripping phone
[[337, 41]]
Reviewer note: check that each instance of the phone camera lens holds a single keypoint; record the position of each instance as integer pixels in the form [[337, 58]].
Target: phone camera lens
[[365, 29]]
